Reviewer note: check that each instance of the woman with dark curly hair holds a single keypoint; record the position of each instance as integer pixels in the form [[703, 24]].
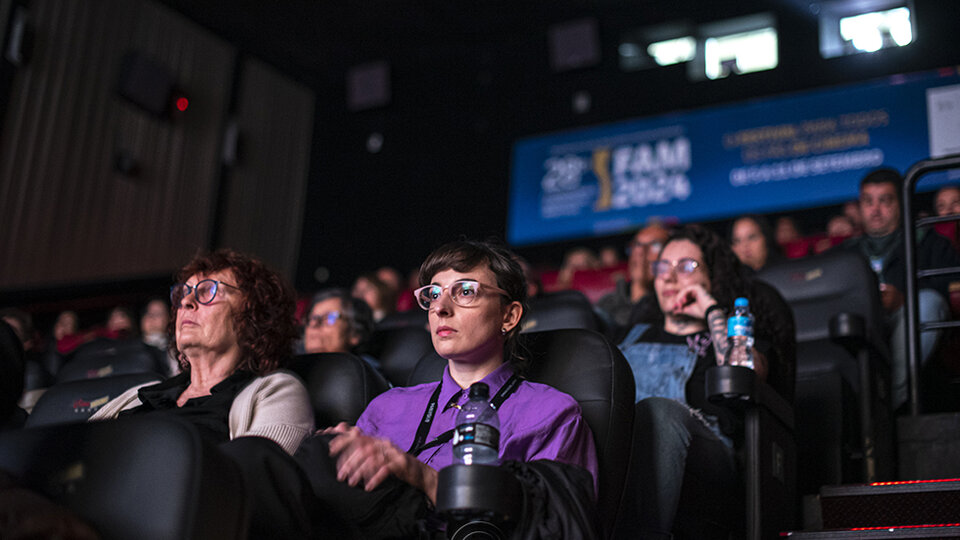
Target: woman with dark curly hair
[[683, 444], [232, 326]]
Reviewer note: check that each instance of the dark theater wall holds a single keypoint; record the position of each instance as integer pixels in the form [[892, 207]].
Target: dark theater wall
[[67, 215], [262, 197]]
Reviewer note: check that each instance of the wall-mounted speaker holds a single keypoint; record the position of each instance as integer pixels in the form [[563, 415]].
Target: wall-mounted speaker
[[368, 86], [147, 84], [574, 44]]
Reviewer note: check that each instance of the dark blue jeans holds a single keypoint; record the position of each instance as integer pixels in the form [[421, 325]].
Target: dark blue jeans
[[679, 472]]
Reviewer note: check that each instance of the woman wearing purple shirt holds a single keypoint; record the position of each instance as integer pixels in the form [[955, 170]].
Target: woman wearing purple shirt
[[380, 477], [474, 293]]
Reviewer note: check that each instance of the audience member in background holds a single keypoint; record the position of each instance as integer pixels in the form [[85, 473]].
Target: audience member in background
[[121, 323], [153, 324], [38, 370], [682, 442], [578, 258], [22, 324], [534, 285], [66, 332], [751, 239], [882, 245], [474, 293], [609, 257], [233, 328], [642, 250], [377, 295], [12, 372], [851, 209], [338, 323], [947, 201], [787, 231], [67, 324], [840, 227], [394, 281]]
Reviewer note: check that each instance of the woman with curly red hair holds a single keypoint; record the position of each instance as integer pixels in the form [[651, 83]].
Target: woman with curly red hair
[[232, 325]]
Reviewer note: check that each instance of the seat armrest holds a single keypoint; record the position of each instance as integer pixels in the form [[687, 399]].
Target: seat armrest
[[738, 387]]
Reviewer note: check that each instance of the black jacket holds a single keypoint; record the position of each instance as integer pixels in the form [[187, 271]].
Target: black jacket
[[933, 251]]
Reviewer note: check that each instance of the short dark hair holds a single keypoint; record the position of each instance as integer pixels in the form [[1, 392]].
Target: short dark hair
[[884, 175], [356, 312], [465, 255], [264, 322]]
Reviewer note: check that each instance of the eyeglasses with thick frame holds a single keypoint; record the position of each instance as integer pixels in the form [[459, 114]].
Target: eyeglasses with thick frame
[[204, 291], [329, 318], [463, 292], [684, 266]]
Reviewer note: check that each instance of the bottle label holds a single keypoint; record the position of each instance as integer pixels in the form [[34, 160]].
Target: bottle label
[[476, 434], [739, 325]]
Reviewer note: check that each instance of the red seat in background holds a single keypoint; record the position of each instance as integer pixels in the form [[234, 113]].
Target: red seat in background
[[595, 284]]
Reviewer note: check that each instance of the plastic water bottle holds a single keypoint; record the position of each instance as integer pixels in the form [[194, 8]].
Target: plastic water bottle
[[740, 335], [476, 439]]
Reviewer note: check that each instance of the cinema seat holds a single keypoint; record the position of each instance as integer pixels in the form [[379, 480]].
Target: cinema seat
[[586, 366], [107, 357], [560, 310], [340, 385], [75, 401], [145, 478], [843, 418]]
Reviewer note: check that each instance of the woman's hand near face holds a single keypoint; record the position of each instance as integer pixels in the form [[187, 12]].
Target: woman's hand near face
[[366, 460], [693, 301]]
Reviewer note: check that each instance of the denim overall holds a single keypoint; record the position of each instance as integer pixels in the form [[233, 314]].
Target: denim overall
[[662, 370]]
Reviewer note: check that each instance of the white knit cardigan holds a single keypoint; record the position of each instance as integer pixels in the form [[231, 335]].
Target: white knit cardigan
[[275, 406]]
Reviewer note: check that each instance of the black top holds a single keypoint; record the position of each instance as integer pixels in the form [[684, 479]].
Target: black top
[[209, 413]]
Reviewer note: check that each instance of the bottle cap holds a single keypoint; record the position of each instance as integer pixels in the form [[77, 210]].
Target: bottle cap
[[479, 390], [741, 302]]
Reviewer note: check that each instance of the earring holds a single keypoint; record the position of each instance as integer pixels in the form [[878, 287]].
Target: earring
[[503, 331]]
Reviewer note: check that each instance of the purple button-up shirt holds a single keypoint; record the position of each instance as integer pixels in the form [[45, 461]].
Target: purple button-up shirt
[[536, 422]]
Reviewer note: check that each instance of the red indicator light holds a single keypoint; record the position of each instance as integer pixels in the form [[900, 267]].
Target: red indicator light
[[182, 104]]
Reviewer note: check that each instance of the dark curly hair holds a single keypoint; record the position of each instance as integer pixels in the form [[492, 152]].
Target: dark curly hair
[[265, 323], [465, 255], [730, 279]]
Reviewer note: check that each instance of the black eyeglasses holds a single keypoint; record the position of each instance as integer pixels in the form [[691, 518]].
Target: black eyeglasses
[[684, 266], [324, 319], [463, 292], [204, 291]]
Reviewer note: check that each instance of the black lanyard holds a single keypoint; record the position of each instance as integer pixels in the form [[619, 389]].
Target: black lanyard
[[420, 444]]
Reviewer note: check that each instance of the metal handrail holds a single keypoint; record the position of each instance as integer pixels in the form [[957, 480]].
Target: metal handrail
[[918, 169]]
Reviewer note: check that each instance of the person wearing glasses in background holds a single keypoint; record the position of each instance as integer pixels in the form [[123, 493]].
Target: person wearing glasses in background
[[642, 250], [381, 475], [338, 323], [683, 445], [234, 327]]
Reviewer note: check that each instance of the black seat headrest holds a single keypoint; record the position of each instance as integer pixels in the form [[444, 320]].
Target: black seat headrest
[[76, 401], [340, 385]]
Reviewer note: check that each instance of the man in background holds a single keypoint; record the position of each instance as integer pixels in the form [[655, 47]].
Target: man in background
[[882, 245], [642, 250]]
